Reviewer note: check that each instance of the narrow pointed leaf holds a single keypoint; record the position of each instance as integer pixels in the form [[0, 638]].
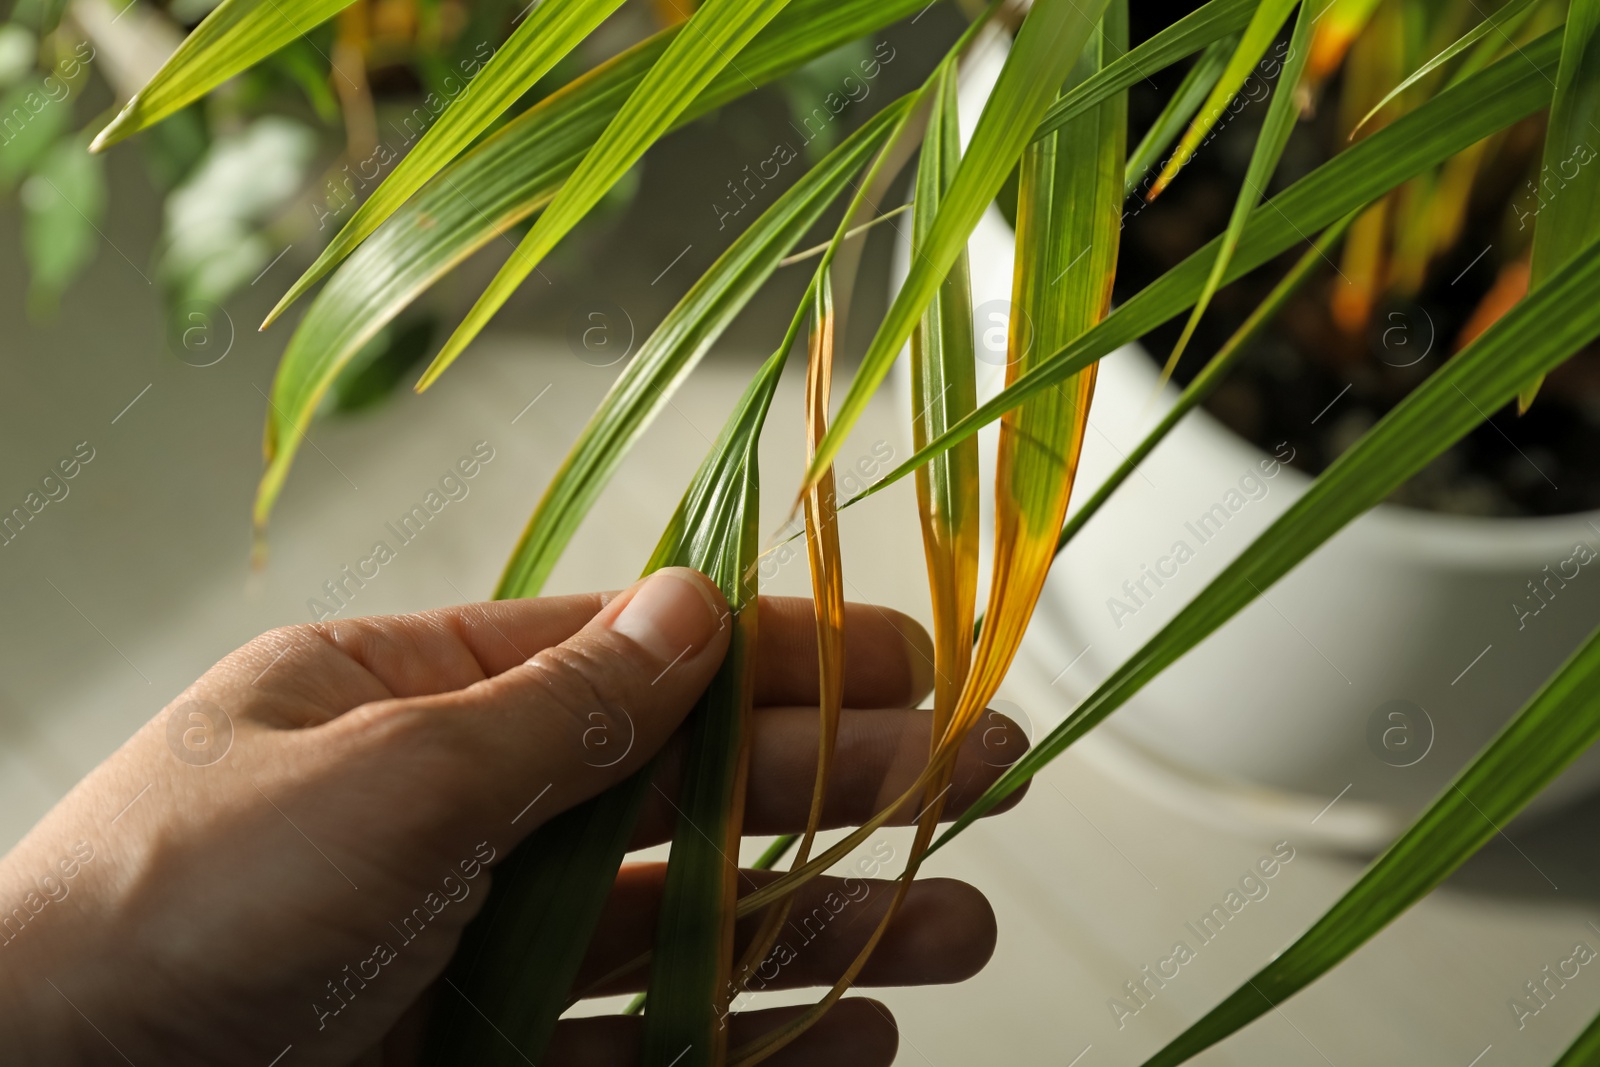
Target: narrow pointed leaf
[[827, 597], [717, 30], [1491, 100], [1068, 221], [544, 905], [715, 530], [943, 390], [1213, 21], [548, 895], [1275, 130], [1496, 23], [671, 352], [1264, 26], [495, 185], [1178, 111], [1211, 375], [1569, 216], [1051, 37], [233, 38], [550, 31], [1538, 334], [1555, 728]]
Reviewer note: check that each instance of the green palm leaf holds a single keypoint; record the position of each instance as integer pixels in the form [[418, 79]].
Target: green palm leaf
[[1264, 25], [1205, 26], [715, 530], [1555, 728], [552, 30], [1490, 100], [1051, 38], [494, 186], [1275, 130], [1538, 334], [684, 336], [1569, 215], [1510, 14], [714, 33], [233, 38]]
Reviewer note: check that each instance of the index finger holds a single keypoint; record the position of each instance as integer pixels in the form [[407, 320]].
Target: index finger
[[888, 655]]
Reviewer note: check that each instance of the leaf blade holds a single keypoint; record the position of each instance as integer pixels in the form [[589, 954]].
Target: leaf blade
[[1571, 217], [1274, 135], [1052, 36], [551, 31], [1264, 25], [1552, 730], [234, 37], [675, 347], [1510, 12], [1505, 92], [491, 188], [1535, 336], [716, 30]]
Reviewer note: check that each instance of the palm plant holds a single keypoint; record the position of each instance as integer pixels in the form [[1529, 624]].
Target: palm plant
[[1057, 120]]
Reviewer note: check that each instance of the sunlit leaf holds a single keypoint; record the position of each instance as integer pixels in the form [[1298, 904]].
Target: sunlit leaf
[[1047, 45], [1538, 334], [1511, 13], [495, 185], [1275, 130], [646, 385], [233, 38], [1263, 28], [1555, 728], [1569, 212], [1068, 221], [717, 30], [550, 31]]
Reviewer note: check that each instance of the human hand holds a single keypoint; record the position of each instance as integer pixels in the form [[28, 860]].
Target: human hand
[[206, 894]]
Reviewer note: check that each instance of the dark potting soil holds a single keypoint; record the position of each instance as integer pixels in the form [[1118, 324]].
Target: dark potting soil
[[1311, 383]]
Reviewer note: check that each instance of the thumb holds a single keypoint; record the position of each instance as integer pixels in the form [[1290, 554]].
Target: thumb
[[583, 715]]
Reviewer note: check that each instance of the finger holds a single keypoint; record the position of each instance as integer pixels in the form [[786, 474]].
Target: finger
[[944, 932], [855, 1032], [575, 718], [877, 757], [888, 656]]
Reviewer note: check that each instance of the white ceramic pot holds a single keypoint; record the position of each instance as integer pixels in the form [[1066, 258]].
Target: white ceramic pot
[[1371, 673]]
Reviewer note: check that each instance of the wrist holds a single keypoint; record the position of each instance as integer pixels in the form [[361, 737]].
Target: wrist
[[37, 1024], [45, 987]]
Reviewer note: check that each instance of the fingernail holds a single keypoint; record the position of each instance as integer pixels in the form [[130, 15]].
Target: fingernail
[[672, 614]]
